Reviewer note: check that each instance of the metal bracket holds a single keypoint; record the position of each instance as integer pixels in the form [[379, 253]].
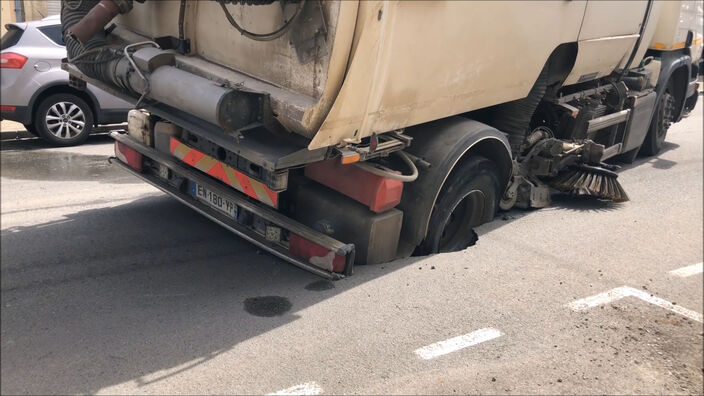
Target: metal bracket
[[380, 145], [183, 46], [77, 83]]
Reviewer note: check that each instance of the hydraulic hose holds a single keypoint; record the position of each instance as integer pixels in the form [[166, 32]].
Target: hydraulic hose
[[514, 117], [263, 36], [86, 44], [636, 46], [392, 175]]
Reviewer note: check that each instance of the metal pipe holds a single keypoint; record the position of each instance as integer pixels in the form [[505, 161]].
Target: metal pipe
[[150, 72], [19, 10], [200, 97], [181, 17]]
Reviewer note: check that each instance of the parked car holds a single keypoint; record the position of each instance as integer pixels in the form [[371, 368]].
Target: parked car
[[36, 92]]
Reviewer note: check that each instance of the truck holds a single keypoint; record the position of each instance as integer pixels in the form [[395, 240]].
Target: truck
[[341, 133]]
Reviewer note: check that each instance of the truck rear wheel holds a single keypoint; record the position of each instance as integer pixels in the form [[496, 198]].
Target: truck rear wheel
[[468, 198]]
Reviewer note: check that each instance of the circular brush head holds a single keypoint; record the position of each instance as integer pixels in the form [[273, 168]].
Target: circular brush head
[[592, 181]]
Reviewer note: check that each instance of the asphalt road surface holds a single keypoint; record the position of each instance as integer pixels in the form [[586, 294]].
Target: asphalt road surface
[[109, 286]]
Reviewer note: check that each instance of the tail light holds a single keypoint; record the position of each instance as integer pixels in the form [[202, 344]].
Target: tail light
[[11, 60], [315, 254], [129, 156]]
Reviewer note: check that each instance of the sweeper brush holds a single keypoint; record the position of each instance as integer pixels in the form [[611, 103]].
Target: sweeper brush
[[592, 181]]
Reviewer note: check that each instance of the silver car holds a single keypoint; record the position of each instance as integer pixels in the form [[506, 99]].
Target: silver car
[[36, 93]]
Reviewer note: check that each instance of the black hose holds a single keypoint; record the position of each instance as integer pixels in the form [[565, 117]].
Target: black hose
[[514, 117], [643, 25], [67, 4], [94, 57], [263, 36], [181, 17]]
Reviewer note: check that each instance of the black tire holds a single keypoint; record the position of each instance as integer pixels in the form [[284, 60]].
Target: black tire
[[31, 129], [64, 120], [469, 198], [662, 119]]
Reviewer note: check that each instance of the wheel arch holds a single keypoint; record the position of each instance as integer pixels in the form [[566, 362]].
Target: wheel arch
[[445, 144], [680, 79], [675, 65], [61, 87]]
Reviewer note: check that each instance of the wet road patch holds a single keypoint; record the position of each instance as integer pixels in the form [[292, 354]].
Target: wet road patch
[[320, 285], [267, 306]]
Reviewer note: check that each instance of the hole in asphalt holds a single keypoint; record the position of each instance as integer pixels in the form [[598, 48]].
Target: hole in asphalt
[[320, 285], [267, 306]]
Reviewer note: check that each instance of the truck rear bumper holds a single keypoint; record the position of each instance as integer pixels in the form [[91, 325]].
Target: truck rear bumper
[[319, 241]]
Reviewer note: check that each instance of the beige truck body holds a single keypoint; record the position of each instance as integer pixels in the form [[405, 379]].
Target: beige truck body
[[378, 66], [499, 103], [677, 19]]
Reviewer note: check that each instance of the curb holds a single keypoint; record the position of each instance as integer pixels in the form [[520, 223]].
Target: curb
[[15, 135]]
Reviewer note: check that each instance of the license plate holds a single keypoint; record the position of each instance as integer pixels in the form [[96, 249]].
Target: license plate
[[214, 200]]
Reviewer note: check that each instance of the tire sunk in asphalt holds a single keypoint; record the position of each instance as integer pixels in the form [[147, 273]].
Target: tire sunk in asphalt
[[469, 197]]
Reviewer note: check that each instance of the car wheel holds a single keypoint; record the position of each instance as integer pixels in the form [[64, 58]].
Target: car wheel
[[469, 198], [64, 120]]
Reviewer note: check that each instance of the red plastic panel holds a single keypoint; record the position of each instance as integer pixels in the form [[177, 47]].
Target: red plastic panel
[[378, 193]]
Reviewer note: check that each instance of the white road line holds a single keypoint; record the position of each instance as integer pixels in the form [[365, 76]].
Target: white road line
[[625, 291], [688, 270], [308, 388], [599, 299], [456, 343]]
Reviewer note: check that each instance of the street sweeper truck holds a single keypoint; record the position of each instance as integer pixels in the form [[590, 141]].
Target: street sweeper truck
[[335, 133]]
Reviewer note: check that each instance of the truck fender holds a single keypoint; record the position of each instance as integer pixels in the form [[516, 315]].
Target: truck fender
[[443, 144], [671, 62]]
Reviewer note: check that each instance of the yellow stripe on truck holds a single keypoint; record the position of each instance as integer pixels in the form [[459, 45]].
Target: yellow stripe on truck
[[661, 46]]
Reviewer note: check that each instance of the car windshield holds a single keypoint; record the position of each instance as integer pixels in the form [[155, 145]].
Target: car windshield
[[11, 37], [54, 33]]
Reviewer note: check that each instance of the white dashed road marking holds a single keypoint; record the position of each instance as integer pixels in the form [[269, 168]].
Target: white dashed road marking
[[456, 343], [688, 270], [625, 291], [308, 388]]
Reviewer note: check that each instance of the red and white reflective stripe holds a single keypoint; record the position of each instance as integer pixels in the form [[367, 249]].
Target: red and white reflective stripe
[[224, 173], [128, 155]]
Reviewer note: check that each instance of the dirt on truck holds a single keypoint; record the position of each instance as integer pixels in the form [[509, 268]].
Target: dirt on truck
[[339, 133]]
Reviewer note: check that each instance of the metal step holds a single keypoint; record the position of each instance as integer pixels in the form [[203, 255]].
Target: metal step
[[606, 121], [611, 151]]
